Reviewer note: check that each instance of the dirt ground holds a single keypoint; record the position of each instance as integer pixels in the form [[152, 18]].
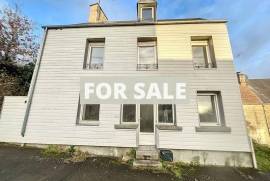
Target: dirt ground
[[27, 164]]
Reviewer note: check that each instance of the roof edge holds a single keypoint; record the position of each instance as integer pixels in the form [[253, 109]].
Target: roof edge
[[136, 23]]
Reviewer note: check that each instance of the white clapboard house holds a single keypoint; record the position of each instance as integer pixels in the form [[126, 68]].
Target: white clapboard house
[[209, 128]]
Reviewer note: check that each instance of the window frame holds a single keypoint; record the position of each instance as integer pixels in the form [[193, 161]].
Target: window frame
[[121, 114], [141, 44], [217, 109], [152, 10], [173, 114], [82, 112], [92, 45], [210, 61]]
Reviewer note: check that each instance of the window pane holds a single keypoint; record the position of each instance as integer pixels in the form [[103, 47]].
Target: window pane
[[165, 113], [147, 55], [147, 14], [199, 56], [97, 54], [129, 113], [207, 108], [91, 112]]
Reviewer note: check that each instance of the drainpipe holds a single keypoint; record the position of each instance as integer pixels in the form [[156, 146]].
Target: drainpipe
[[33, 84]]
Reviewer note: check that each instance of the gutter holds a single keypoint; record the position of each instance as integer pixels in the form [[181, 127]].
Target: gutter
[[134, 23], [33, 84]]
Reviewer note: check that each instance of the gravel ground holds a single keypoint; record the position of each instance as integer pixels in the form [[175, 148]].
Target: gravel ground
[[28, 164]]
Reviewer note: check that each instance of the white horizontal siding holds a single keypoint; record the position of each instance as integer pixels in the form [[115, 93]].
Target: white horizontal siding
[[53, 113], [11, 119]]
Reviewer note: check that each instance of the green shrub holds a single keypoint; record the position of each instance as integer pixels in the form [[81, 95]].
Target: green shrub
[[263, 157]]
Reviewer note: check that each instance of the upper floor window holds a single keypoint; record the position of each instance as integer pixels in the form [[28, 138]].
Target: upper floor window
[[147, 14], [166, 113], [202, 54], [209, 108], [147, 55], [95, 54]]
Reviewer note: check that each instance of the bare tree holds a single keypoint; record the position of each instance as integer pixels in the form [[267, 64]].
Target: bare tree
[[18, 42]]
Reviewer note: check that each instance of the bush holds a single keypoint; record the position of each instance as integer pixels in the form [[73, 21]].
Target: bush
[[262, 153]]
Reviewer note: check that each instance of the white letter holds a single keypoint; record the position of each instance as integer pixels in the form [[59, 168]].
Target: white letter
[[166, 92], [108, 91], [153, 91], [180, 88], [119, 90], [88, 89], [138, 88]]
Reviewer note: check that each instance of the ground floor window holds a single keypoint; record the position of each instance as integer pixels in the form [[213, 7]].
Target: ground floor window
[[90, 112], [166, 113], [209, 108], [128, 112]]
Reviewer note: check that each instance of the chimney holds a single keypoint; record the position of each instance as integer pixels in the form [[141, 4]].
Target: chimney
[[242, 78], [97, 15]]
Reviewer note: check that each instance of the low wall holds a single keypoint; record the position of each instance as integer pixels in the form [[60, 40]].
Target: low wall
[[11, 119], [258, 122]]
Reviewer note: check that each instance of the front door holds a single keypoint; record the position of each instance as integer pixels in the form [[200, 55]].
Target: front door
[[147, 117]]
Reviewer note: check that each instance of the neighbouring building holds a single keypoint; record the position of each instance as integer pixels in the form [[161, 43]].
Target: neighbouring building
[[210, 128], [255, 95]]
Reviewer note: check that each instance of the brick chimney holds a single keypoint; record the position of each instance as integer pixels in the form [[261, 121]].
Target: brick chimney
[[97, 15], [242, 78]]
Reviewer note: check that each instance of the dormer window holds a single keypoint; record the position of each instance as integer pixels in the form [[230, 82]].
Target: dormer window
[[148, 14], [146, 10]]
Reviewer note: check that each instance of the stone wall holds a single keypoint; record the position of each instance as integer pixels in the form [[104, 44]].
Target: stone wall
[[258, 122]]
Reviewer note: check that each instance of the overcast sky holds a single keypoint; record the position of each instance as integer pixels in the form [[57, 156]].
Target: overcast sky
[[249, 21]]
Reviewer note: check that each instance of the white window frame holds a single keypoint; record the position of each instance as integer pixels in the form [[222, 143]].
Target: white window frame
[[208, 53], [173, 114], [217, 108], [147, 44], [90, 47], [153, 11], [136, 115], [82, 111]]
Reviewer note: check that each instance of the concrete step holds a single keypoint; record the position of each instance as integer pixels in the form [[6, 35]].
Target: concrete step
[[146, 147], [147, 163], [147, 155]]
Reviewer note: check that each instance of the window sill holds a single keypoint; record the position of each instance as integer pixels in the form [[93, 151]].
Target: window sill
[[88, 123], [126, 126], [213, 129], [169, 127], [203, 68]]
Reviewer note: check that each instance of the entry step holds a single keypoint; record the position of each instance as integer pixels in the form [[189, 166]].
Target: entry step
[[147, 163], [147, 153]]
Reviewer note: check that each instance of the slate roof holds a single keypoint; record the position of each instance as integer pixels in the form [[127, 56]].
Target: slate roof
[[262, 88]]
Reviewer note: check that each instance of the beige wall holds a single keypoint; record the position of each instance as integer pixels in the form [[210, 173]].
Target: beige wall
[[257, 117]]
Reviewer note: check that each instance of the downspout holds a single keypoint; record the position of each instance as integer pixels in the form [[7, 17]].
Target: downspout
[[33, 83], [266, 120]]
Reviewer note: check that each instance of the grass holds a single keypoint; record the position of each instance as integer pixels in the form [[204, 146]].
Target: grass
[[263, 157], [180, 170]]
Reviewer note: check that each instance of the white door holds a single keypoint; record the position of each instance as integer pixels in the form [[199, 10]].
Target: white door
[[147, 124]]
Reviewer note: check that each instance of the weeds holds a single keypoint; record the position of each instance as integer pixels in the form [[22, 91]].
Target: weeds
[[263, 157], [179, 169]]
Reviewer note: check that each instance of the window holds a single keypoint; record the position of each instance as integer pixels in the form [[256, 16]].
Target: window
[[90, 112], [147, 55], [202, 55], [95, 58], [208, 108], [128, 113], [166, 113], [147, 14]]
